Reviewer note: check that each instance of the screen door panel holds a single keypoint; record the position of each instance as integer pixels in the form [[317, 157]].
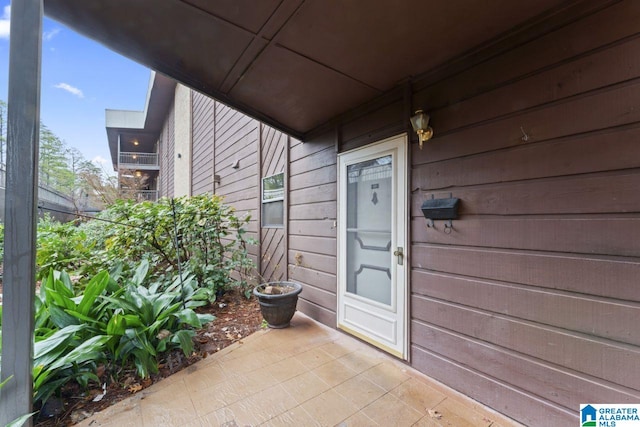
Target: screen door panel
[[371, 240]]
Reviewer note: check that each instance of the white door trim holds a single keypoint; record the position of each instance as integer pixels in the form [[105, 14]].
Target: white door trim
[[393, 316]]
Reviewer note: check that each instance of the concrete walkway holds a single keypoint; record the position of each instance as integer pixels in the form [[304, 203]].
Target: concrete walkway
[[306, 375]]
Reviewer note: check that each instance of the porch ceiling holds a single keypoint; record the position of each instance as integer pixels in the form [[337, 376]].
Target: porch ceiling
[[295, 64]]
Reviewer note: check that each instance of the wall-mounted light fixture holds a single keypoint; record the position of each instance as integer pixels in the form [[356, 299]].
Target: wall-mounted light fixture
[[138, 174], [134, 157], [136, 142], [420, 124]]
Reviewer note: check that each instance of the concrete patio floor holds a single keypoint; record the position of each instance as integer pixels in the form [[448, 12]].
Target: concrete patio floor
[[306, 375]]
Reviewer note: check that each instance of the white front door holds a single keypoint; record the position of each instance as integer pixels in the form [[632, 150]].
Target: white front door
[[372, 241]]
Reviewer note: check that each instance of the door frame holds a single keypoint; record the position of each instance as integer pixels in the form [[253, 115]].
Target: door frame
[[400, 144]]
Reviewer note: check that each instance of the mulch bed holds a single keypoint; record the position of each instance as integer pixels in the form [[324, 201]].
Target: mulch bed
[[236, 317]]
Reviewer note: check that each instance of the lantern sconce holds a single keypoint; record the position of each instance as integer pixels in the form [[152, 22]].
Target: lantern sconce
[[420, 124]]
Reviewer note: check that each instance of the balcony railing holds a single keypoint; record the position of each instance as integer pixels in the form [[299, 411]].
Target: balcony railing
[[141, 195], [138, 159]]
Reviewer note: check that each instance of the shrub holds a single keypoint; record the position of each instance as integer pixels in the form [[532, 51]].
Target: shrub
[[204, 234], [64, 246], [129, 305]]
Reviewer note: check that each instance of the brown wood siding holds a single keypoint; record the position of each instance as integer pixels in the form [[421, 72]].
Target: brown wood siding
[[531, 304], [236, 139], [312, 234], [170, 155], [273, 263], [374, 125], [203, 144], [166, 155]]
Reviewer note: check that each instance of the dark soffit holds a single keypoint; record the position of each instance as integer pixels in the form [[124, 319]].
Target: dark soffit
[[294, 64]]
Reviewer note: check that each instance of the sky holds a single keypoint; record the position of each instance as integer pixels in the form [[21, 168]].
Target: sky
[[80, 79]]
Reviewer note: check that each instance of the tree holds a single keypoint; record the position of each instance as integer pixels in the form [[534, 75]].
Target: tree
[[53, 162], [64, 169], [101, 187]]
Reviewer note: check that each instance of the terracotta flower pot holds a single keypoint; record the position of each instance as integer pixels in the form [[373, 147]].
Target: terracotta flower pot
[[278, 302]]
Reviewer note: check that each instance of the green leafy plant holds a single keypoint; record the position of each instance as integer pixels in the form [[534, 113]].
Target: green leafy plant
[[199, 236], [70, 333], [63, 357], [206, 236], [64, 246], [67, 346], [138, 280], [103, 322], [147, 321]]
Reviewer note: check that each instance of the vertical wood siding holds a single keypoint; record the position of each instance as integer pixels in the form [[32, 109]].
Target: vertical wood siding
[[531, 304], [273, 261], [203, 144]]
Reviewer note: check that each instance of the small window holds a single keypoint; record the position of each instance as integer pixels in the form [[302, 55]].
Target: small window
[[273, 200]]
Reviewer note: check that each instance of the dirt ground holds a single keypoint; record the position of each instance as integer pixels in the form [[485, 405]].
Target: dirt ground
[[236, 317]]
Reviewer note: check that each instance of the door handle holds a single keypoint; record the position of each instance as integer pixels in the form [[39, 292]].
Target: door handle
[[400, 254]]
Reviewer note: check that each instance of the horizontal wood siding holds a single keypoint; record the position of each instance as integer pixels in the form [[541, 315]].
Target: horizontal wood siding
[[162, 161], [273, 240], [236, 140], [170, 155], [312, 232], [531, 304], [203, 144], [166, 147]]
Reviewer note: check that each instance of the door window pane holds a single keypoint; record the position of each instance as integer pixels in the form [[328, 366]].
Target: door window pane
[[369, 208]]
